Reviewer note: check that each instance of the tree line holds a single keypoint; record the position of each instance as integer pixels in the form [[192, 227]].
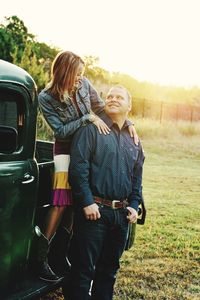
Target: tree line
[[20, 47]]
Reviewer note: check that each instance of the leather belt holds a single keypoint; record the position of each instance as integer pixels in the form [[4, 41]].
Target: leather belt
[[114, 204]]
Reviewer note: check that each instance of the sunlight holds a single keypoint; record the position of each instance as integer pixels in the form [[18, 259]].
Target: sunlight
[[154, 41]]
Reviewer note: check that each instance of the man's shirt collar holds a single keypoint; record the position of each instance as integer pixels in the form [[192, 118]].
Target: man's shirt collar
[[110, 123]]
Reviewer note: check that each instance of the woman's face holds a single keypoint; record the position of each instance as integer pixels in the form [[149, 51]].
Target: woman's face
[[79, 75]]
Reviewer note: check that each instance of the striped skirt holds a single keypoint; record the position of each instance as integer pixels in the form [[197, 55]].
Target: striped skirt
[[61, 195]]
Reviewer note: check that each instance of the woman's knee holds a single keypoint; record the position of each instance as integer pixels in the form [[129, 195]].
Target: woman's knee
[[59, 209]]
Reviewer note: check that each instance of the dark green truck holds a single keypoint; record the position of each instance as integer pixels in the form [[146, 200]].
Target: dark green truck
[[25, 184], [26, 166]]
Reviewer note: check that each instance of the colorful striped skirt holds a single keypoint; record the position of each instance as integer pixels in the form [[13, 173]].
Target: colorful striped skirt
[[61, 195]]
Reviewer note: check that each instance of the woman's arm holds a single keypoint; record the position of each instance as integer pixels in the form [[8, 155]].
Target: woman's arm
[[100, 124], [60, 129], [133, 132], [97, 103], [97, 107]]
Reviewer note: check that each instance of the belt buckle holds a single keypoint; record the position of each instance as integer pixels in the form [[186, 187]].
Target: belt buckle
[[114, 202]]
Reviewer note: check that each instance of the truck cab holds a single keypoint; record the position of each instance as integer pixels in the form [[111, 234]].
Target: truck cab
[[25, 181]]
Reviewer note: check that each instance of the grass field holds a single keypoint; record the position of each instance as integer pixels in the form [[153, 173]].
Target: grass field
[[165, 260]]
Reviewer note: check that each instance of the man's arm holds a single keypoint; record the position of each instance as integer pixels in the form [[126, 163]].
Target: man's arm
[[136, 196], [79, 169], [79, 172]]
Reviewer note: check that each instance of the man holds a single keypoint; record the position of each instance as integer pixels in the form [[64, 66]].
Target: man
[[106, 180]]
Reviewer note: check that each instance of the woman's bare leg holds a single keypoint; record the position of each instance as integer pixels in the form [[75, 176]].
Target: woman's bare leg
[[53, 220]]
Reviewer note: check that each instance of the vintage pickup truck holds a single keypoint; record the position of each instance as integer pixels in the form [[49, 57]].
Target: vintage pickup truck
[[25, 184], [26, 167]]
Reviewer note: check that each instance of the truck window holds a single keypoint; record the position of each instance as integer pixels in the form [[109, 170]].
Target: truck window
[[12, 111]]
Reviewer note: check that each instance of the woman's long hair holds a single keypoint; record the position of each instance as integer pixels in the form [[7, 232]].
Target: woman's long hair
[[63, 73]]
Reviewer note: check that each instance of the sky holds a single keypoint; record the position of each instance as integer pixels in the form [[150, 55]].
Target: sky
[[151, 40]]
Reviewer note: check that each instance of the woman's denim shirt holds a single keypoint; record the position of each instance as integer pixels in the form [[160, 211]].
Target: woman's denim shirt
[[63, 117]]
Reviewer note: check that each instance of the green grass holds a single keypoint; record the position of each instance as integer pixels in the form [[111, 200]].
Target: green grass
[[148, 128], [165, 260]]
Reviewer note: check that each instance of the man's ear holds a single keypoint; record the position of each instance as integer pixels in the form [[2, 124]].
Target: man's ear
[[129, 107]]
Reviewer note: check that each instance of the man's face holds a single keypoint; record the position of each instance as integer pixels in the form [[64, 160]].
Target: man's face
[[117, 102]]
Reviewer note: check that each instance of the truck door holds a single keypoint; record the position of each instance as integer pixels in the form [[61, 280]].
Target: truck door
[[18, 178]]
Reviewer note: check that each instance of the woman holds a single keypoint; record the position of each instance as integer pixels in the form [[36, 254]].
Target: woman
[[68, 102]]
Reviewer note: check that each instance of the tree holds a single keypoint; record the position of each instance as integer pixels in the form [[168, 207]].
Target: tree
[[20, 47], [30, 63], [7, 46], [93, 71], [45, 52], [14, 35]]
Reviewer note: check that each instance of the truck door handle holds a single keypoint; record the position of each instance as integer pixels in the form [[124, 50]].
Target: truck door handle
[[28, 178]]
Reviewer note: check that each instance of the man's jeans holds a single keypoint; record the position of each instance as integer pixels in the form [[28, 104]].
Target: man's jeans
[[95, 252]]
